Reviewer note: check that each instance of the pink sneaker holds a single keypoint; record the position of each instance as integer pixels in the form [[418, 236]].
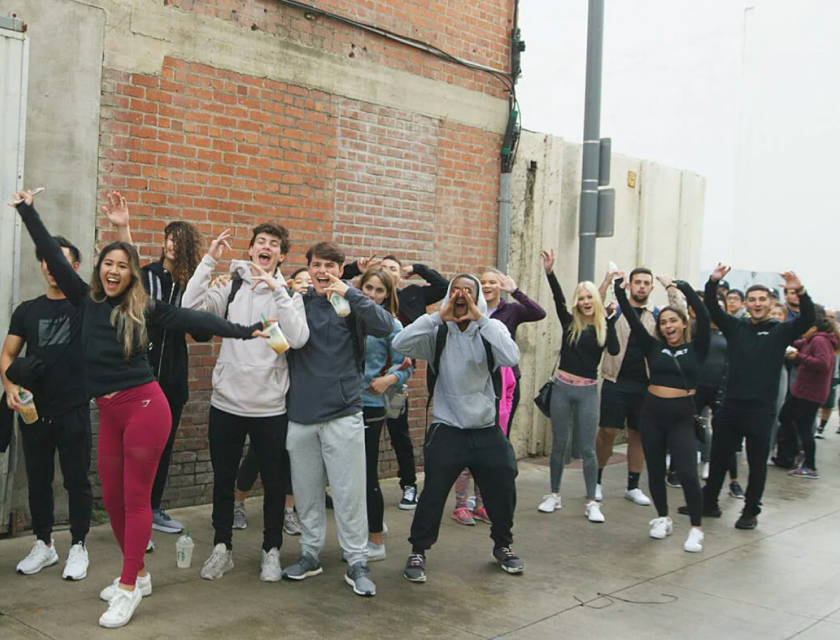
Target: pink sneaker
[[480, 513], [463, 515]]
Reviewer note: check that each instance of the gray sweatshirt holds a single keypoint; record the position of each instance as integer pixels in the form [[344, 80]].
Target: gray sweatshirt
[[326, 376], [464, 395]]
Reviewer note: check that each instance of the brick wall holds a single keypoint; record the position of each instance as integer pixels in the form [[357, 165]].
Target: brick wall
[[227, 150]]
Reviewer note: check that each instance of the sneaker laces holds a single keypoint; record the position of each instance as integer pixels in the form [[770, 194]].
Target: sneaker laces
[[217, 559], [163, 515], [416, 560], [120, 602], [508, 553], [76, 553]]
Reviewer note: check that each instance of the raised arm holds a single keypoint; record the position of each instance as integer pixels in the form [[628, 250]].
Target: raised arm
[[563, 313], [613, 345], [417, 340], [723, 320], [66, 278], [116, 210], [703, 331], [807, 315], [645, 340], [437, 283], [526, 309], [174, 318], [376, 321]]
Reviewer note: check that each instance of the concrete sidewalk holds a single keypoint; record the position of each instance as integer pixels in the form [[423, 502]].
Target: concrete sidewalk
[[582, 580]]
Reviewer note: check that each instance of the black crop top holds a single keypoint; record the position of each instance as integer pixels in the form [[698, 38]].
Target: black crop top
[[583, 357], [660, 356], [106, 367]]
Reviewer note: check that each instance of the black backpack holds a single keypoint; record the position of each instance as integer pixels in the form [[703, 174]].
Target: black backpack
[[235, 286], [433, 369]]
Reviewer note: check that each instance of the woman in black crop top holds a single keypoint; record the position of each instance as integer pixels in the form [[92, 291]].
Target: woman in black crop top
[[574, 397], [134, 416], [667, 419]]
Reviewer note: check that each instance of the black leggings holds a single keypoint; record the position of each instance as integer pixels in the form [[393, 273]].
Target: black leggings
[[403, 447], [176, 407], [667, 424], [797, 419], [374, 421], [249, 469]]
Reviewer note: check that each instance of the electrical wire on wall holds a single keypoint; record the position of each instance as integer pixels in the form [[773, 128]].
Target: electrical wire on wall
[[508, 80]]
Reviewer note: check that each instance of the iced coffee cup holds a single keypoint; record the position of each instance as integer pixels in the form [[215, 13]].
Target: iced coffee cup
[[341, 306], [27, 410], [184, 550], [276, 339]]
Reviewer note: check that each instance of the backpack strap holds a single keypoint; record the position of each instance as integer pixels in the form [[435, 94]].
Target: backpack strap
[[235, 286], [433, 368]]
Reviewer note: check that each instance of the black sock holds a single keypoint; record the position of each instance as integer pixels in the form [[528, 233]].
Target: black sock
[[600, 473], [419, 550], [633, 480], [822, 424]]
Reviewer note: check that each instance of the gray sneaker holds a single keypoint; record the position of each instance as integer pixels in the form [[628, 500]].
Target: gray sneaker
[[291, 525], [358, 577], [304, 567], [163, 523], [240, 516]]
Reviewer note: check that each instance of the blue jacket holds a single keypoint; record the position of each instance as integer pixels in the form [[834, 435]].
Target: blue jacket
[[375, 360]]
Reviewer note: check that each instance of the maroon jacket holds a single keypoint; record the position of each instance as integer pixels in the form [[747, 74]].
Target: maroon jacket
[[816, 366], [512, 314]]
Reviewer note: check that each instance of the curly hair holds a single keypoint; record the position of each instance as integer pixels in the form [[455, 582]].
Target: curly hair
[[187, 241]]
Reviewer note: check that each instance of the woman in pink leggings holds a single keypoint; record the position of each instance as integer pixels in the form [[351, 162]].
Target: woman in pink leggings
[[134, 416]]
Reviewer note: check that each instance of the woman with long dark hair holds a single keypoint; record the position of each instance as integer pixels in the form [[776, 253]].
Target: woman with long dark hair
[[134, 416], [667, 422]]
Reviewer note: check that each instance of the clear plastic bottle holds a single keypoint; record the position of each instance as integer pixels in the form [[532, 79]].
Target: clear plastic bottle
[[340, 304]]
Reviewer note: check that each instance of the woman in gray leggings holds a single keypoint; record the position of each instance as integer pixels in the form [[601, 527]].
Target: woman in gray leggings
[[574, 397]]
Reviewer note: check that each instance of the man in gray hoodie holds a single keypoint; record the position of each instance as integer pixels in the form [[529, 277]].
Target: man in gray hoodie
[[326, 440], [465, 429]]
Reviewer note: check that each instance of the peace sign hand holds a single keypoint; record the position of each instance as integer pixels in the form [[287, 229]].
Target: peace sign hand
[[219, 245], [263, 276]]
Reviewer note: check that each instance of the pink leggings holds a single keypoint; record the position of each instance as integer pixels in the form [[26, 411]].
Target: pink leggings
[[133, 428]]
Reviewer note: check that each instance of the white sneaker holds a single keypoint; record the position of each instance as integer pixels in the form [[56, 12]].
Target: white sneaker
[[77, 563], [694, 541], [384, 529], [271, 571], [550, 503], [593, 512], [120, 609], [636, 496], [704, 475], [41, 556], [599, 495], [661, 528], [143, 585], [220, 560], [376, 552]]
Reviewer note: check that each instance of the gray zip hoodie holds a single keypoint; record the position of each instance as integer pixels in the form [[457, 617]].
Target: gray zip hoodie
[[464, 395], [326, 376], [249, 379]]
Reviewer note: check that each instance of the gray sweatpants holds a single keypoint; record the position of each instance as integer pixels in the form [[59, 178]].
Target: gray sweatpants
[[331, 452], [578, 406]]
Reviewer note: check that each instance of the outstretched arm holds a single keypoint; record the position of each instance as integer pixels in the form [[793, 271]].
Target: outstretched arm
[[437, 283], [174, 318], [417, 340], [702, 335], [645, 340], [613, 345], [723, 320]]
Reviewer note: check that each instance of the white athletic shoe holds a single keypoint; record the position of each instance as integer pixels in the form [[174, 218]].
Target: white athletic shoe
[[694, 541], [40, 557], [593, 512], [220, 561], [550, 503], [143, 585], [376, 552], [120, 609], [661, 528], [704, 474], [636, 496], [77, 563], [270, 569], [599, 495]]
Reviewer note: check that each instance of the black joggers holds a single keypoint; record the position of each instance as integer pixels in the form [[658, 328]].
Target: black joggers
[[403, 447], [70, 434], [227, 438], [489, 456]]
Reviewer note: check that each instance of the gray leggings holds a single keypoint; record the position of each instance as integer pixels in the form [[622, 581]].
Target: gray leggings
[[578, 406]]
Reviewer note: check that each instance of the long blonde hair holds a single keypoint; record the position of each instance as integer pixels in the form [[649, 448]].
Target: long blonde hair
[[599, 318], [129, 317]]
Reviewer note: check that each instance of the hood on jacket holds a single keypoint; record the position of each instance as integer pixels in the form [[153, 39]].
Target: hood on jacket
[[822, 335], [481, 303]]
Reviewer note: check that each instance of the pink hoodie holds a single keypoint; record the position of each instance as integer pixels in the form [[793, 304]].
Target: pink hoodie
[[506, 402]]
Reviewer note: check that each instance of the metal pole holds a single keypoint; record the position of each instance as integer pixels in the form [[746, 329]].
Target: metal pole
[[591, 142], [503, 248]]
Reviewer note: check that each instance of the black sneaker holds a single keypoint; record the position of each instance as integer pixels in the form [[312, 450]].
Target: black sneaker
[[735, 490], [415, 568], [708, 512], [746, 521], [409, 498], [672, 480], [509, 561]]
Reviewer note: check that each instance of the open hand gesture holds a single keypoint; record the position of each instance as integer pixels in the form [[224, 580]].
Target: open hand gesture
[[219, 245], [719, 272], [548, 260], [791, 281], [336, 286], [507, 283], [116, 209], [367, 263], [473, 312], [262, 275]]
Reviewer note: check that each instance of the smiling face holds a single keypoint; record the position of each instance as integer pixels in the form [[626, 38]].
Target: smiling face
[[460, 288], [375, 289], [266, 252], [393, 267], [319, 268], [672, 327], [758, 304], [45, 270], [585, 302], [491, 287], [302, 281], [115, 273], [170, 250]]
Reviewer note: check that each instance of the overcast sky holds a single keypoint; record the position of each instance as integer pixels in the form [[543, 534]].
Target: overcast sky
[[741, 92]]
